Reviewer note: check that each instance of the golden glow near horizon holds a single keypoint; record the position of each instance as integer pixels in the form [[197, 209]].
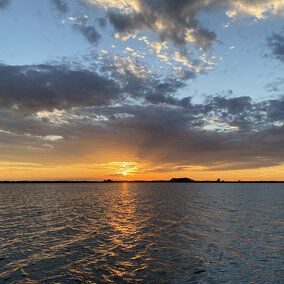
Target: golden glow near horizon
[[123, 168], [131, 171]]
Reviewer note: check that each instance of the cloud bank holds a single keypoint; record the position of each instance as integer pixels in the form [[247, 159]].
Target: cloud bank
[[89, 107]]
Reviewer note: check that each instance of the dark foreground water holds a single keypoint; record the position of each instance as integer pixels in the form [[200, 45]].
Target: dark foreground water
[[149, 233]]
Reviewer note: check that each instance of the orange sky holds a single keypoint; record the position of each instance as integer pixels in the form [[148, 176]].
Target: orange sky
[[129, 171]]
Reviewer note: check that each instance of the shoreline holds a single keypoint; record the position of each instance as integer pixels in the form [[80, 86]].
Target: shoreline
[[136, 181]]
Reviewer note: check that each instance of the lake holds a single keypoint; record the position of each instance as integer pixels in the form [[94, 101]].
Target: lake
[[142, 233]]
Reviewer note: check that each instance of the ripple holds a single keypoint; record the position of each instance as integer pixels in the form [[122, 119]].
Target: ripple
[[148, 233]]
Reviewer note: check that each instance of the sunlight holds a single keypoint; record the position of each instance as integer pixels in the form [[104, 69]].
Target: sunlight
[[122, 168]]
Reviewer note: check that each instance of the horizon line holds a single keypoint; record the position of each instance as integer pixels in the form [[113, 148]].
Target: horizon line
[[140, 181]]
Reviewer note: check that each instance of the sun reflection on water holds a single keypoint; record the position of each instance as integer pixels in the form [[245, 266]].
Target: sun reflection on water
[[123, 214]]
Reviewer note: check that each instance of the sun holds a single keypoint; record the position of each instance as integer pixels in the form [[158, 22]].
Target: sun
[[122, 168]]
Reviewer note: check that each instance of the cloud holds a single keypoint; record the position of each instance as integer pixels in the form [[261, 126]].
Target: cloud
[[61, 6], [179, 21], [102, 22], [37, 87], [276, 43], [176, 136], [173, 21], [129, 49], [157, 46], [137, 81], [276, 86], [159, 134], [89, 32], [4, 3], [275, 111], [259, 9], [156, 134], [120, 104]]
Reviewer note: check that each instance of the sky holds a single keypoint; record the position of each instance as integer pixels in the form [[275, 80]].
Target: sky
[[141, 89]]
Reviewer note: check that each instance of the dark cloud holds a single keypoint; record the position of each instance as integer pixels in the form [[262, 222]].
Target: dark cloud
[[176, 135], [161, 134], [204, 37], [169, 136], [127, 23], [89, 32], [48, 87], [4, 3], [177, 17], [141, 85], [97, 108], [275, 110], [61, 6], [276, 43], [102, 22], [179, 21], [276, 86]]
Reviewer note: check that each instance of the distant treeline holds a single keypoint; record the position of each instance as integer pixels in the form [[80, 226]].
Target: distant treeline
[[173, 180]]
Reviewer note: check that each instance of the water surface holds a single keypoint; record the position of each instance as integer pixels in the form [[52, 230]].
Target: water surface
[[141, 232]]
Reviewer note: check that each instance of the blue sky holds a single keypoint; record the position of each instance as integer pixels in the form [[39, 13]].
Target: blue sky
[[36, 32], [215, 66]]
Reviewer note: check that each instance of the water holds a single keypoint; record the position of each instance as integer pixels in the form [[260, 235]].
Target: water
[[141, 232]]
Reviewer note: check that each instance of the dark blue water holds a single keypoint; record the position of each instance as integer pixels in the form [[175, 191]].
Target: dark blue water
[[141, 232]]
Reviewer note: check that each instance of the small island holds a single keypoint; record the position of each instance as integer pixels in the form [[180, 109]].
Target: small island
[[182, 180]]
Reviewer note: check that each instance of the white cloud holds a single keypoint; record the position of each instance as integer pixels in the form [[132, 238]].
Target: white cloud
[[156, 46], [129, 49]]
